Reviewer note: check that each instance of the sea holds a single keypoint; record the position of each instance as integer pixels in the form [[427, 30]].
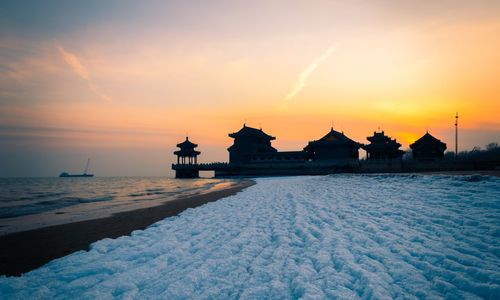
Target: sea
[[28, 203]]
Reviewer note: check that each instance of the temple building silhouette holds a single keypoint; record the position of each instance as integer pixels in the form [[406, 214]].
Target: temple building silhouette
[[252, 154], [428, 148], [253, 145], [187, 155], [248, 144], [382, 147], [333, 147]]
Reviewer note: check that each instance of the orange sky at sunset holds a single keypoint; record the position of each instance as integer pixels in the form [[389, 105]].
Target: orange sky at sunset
[[124, 85]]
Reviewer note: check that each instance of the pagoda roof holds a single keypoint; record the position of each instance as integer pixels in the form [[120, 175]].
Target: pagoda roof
[[189, 152], [246, 131], [383, 147], [381, 138], [333, 137], [378, 136], [426, 139], [187, 144]]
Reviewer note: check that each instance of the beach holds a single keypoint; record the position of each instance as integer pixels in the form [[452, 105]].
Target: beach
[[341, 236], [23, 251], [26, 250]]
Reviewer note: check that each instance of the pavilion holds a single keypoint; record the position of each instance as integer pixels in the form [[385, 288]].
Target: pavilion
[[428, 148], [187, 156], [382, 147], [333, 147]]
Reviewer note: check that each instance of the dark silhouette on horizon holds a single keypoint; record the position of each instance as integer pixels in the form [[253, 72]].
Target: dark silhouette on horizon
[[84, 174], [428, 148], [187, 155], [334, 146], [252, 154], [382, 147]]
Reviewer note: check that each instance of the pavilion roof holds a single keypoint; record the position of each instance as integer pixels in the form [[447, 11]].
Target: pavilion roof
[[333, 137], [427, 139], [381, 138], [246, 131], [187, 144], [187, 153]]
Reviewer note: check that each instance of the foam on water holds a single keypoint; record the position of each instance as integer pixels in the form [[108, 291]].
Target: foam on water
[[339, 236]]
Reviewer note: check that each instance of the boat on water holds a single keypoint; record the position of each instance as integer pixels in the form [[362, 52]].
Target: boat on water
[[84, 174]]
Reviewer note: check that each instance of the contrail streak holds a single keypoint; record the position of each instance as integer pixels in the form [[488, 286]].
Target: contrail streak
[[74, 62], [308, 71]]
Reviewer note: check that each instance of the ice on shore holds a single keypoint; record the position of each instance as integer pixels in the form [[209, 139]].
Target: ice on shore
[[338, 236]]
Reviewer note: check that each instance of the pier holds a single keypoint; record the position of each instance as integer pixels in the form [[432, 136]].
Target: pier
[[193, 170]]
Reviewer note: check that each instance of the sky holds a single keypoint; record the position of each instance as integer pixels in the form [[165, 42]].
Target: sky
[[122, 82]]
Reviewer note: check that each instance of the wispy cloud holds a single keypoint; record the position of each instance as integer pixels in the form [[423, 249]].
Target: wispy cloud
[[304, 76], [94, 89], [74, 62]]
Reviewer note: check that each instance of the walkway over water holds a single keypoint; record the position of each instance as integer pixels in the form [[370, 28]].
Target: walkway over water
[[201, 167], [265, 169], [223, 169]]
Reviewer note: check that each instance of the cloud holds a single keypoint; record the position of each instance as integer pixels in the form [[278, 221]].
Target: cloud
[[74, 62], [94, 89], [304, 76], [21, 130]]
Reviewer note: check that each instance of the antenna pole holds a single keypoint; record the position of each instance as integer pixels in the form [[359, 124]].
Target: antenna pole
[[87, 166], [456, 135]]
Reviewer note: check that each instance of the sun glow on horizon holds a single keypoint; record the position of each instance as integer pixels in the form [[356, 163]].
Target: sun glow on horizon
[[182, 69]]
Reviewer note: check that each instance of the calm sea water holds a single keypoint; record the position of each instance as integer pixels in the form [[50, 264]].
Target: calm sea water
[[27, 203]]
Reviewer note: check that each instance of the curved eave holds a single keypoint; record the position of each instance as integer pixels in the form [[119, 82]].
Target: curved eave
[[250, 131], [235, 135], [187, 145], [320, 143], [436, 144], [426, 139], [381, 146], [187, 153]]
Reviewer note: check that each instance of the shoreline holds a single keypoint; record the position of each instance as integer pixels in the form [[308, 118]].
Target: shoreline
[[25, 251], [114, 203], [495, 173]]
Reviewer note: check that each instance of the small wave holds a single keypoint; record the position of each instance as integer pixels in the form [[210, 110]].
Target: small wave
[[47, 205], [137, 194], [35, 196], [155, 190], [148, 194], [98, 199], [45, 195], [475, 178]]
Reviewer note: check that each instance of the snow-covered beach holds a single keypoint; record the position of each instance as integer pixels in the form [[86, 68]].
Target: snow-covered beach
[[337, 236]]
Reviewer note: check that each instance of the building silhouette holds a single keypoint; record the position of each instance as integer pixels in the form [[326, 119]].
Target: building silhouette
[[252, 154], [333, 147], [253, 146], [187, 156], [428, 148], [382, 147], [248, 143]]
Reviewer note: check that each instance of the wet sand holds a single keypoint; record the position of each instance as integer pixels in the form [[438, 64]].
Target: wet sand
[[21, 252]]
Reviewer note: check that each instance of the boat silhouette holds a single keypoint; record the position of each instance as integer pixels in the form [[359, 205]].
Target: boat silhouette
[[84, 174]]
